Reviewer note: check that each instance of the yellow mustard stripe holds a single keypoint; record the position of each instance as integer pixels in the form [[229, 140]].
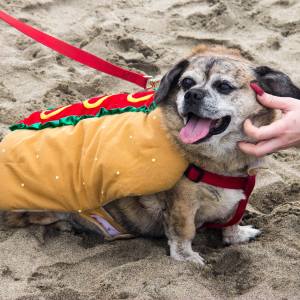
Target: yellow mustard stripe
[[130, 98], [87, 104], [44, 115]]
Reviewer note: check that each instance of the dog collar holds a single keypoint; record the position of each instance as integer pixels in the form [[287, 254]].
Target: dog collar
[[197, 174]]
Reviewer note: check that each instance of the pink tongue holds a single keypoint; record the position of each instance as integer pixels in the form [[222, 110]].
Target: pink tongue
[[194, 130]]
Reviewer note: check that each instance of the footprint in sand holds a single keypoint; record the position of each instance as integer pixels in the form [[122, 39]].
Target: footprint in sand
[[233, 270], [214, 19], [284, 20], [204, 16], [136, 54], [7, 273]]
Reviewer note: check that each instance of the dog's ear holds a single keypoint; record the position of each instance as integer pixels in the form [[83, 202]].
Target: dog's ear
[[276, 83], [170, 80]]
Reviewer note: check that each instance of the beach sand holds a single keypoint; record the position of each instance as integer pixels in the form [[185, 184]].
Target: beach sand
[[41, 263]]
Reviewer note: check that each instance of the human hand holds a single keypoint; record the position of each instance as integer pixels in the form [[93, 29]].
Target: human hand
[[281, 134]]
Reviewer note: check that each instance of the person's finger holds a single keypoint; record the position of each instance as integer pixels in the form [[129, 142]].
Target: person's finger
[[271, 101], [262, 148], [264, 132], [275, 102]]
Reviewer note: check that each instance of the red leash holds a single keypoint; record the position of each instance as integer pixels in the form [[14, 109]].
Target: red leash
[[74, 53]]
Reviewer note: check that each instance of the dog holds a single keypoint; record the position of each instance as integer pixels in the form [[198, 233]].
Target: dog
[[204, 99]]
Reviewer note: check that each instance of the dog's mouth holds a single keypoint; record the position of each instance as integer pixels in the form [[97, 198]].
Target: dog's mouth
[[198, 129]]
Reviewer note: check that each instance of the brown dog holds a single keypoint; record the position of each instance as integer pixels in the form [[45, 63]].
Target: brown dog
[[205, 100]]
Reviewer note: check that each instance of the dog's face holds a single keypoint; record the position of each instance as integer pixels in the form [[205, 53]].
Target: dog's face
[[210, 94], [213, 101]]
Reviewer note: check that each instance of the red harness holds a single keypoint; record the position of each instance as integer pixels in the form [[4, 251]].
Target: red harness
[[246, 184]]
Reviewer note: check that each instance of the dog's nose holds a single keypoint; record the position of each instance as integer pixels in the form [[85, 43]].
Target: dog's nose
[[193, 96]]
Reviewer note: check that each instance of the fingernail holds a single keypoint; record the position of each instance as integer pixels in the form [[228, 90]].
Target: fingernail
[[256, 88]]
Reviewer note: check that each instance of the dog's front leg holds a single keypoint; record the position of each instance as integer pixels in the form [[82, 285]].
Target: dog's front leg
[[180, 228]]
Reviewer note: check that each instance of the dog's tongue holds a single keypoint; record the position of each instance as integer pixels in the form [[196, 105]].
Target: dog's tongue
[[195, 129]]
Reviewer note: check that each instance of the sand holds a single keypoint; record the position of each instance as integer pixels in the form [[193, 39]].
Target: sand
[[42, 263]]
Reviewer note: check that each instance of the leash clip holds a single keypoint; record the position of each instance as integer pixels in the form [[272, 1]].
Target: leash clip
[[152, 82]]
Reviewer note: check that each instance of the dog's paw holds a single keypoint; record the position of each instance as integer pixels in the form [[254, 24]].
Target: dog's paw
[[182, 251], [239, 234], [193, 257]]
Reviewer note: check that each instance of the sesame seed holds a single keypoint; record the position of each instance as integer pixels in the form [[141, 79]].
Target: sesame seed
[[56, 177], [118, 172], [153, 159], [22, 184]]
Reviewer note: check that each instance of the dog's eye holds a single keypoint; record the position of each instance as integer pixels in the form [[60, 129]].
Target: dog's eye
[[187, 83], [224, 87]]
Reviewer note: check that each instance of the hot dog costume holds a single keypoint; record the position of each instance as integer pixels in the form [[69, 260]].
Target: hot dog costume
[[79, 157]]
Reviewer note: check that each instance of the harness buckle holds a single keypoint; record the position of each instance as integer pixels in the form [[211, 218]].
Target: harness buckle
[[152, 82], [194, 173]]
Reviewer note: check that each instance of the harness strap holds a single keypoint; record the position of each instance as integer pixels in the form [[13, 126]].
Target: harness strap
[[246, 184], [74, 53]]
